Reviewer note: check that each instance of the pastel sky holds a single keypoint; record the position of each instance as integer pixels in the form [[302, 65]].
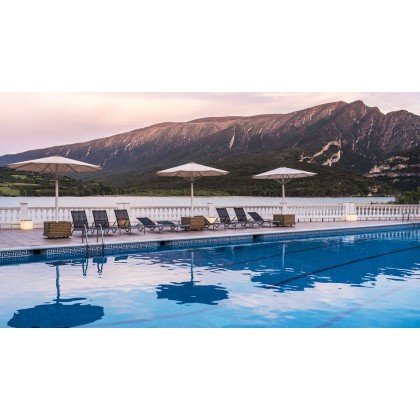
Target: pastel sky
[[35, 120]]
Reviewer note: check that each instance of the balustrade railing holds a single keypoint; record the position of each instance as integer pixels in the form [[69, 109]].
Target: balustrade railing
[[11, 216], [385, 211], [40, 214], [320, 212]]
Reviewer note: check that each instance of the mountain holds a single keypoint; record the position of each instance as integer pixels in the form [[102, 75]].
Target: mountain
[[401, 168], [349, 137]]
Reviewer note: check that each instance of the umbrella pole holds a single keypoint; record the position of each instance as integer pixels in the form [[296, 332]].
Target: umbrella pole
[[192, 202], [284, 196], [56, 199]]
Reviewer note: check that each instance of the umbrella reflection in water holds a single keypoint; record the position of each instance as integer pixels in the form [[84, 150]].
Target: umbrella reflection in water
[[59, 314], [192, 291]]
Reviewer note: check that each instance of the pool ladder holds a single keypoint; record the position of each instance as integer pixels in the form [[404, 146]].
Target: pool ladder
[[85, 236], [413, 216]]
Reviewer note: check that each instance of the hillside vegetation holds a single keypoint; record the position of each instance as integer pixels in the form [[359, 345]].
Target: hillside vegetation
[[328, 183], [31, 184]]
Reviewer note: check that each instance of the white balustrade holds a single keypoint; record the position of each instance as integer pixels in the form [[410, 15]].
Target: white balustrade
[[9, 215], [385, 211]]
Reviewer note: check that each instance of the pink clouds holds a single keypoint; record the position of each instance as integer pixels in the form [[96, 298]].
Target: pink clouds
[[35, 120]]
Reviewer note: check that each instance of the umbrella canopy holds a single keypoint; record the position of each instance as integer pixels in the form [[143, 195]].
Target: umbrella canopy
[[191, 172], [283, 176], [55, 166]]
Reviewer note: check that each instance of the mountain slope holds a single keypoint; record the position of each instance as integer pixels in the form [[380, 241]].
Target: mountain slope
[[402, 169], [351, 137]]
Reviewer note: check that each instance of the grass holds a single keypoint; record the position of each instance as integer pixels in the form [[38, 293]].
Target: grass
[[22, 184], [7, 191], [15, 189], [19, 176]]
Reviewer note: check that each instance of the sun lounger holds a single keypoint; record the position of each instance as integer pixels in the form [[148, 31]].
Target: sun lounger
[[242, 218], [80, 223], [172, 225], [123, 221], [225, 218], [149, 224], [208, 224], [160, 224], [100, 220], [258, 219]]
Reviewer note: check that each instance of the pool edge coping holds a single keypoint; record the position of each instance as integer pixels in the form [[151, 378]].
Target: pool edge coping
[[233, 238]]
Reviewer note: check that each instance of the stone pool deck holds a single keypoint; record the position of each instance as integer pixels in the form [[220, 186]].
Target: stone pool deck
[[19, 240]]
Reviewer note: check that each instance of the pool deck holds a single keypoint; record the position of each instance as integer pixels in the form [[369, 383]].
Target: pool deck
[[17, 240]]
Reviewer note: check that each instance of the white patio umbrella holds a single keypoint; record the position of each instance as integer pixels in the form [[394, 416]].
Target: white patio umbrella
[[54, 165], [191, 172], [283, 176]]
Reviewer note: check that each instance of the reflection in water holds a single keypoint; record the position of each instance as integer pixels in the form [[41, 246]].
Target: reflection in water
[[300, 265], [192, 291], [99, 261], [84, 263], [301, 283], [58, 314], [331, 262], [309, 268]]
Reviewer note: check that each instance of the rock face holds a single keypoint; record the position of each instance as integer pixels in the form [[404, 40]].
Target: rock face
[[351, 137], [402, 169]]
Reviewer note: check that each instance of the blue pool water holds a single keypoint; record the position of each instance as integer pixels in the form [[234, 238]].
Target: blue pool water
[[370, 280]]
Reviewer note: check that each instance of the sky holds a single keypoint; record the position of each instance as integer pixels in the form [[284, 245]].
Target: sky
[[36, 120]]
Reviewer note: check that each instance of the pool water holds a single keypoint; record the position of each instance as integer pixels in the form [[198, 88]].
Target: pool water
[[370, 280]]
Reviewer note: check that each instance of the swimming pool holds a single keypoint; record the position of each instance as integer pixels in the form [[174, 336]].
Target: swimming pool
[[370, 280]]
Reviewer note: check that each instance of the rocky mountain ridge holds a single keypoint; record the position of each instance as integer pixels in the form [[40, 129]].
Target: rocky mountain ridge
[[347, 136]]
